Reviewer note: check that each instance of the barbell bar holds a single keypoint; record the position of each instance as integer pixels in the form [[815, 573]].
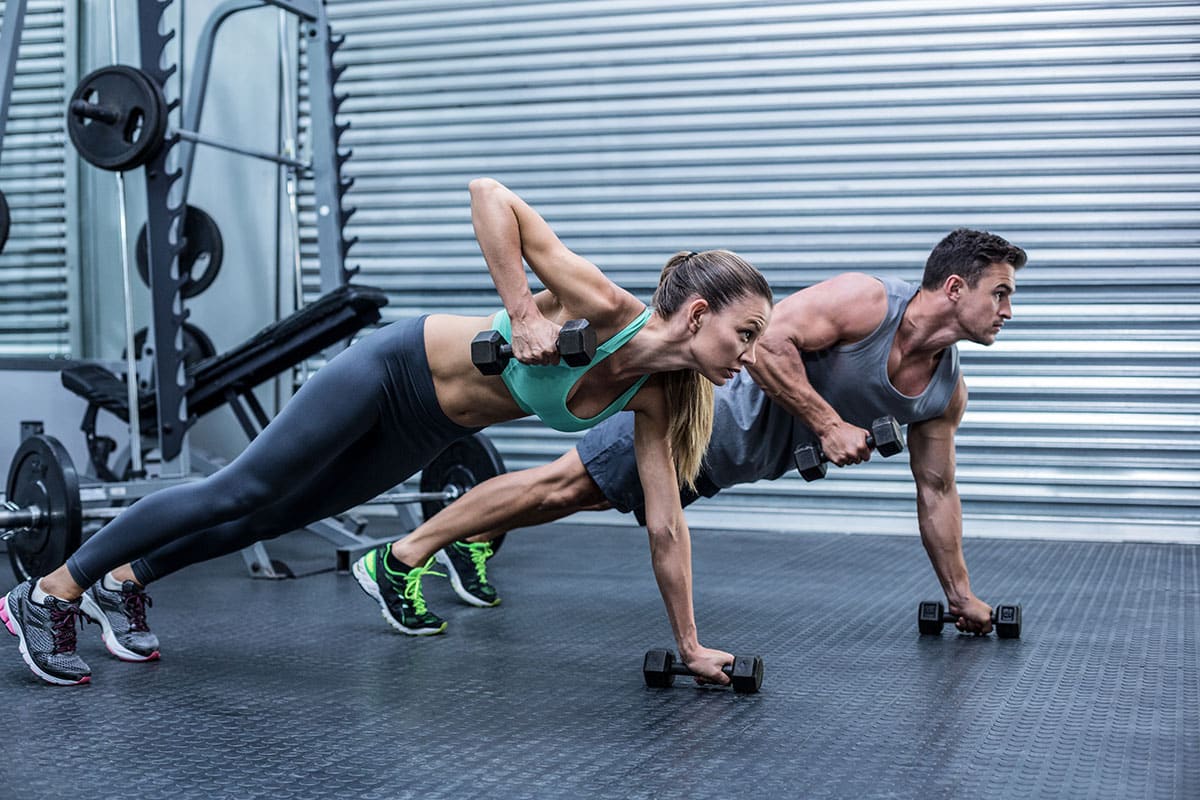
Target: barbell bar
[[117, 120]]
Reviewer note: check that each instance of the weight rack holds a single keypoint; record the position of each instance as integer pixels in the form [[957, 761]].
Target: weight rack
[[164, 222]]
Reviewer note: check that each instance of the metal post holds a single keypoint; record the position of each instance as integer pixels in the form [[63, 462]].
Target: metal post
[[10, 42]]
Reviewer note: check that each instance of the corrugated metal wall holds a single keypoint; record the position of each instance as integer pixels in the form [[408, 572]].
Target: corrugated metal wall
[[35, 299], [816, 138]]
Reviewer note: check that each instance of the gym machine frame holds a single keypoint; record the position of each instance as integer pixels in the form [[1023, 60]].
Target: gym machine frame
[[65, 508], [329, 189], [164, 221], [10, 39], [165, 224]]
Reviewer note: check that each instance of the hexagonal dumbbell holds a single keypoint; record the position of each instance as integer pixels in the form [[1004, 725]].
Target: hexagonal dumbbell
[[576, 344], [885, 437], [931, 616], [660, 668]]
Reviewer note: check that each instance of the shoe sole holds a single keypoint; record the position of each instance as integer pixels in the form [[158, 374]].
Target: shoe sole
[[16, 630], [457, 584], [371, 588], [93, 611]]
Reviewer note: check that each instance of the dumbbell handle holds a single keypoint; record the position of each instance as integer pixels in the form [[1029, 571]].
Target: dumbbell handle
[[948, 617], [105, 114], [679, 668], [825, 459], [506, 348]]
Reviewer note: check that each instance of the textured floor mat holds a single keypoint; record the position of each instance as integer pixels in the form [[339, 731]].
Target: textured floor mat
[[297, 689]]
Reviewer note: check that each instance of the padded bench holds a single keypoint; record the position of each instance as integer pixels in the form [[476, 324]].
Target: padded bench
[[230, 377]]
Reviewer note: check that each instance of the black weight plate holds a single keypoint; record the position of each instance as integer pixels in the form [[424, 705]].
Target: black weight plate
[[136, 133], [202, 245], [196, 344], [465, 463], [43, 475], [5, 221]]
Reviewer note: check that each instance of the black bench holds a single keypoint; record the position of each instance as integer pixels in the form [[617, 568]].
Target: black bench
[[230, 377]]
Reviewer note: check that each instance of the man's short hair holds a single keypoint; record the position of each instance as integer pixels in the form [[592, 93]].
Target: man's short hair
[[968, 254]]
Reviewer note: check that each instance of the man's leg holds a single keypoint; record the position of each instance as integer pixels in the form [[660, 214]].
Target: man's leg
[[512, 500], [601, 472]]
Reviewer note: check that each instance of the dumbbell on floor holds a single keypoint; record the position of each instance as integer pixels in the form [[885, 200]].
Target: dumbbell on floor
[[931, 616], [660, 668], [576, 344], [885, 437]]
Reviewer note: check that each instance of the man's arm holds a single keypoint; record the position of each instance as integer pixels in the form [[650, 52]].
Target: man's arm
[[845, 308], [939, 510]]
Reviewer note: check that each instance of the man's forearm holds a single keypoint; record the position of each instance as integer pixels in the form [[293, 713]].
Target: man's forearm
[[939, 515]]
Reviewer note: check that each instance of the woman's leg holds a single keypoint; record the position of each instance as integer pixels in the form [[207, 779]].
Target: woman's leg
[[371, 466], [330, 413]]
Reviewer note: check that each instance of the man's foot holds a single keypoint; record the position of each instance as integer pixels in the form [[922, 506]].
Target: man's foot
[[122, 616], [466, 565], [46, 632], [398, 592]]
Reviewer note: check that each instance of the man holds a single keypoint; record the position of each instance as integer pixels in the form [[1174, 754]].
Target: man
[[836, 356]]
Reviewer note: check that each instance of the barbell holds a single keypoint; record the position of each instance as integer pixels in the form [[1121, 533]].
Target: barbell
[[117, 120], [43, 513]]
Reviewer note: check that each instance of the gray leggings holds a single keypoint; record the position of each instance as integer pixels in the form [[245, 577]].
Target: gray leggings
[[365, 422]]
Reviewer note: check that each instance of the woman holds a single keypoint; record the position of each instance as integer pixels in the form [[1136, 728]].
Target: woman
[[386, 406]]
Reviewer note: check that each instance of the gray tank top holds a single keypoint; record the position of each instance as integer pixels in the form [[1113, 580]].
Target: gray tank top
[[753, 438]]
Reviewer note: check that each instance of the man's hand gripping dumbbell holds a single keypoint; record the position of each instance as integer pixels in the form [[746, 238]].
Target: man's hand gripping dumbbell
[[885, 437]]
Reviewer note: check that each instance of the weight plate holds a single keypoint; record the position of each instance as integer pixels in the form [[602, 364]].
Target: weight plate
[[5, 221], [42, 475], [134, 118], [465, 463], [201, 257], [196, 344]]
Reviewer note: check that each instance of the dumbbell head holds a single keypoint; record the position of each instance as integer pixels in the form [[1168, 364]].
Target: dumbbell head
[[811, 463], [1007, 619], [930, 617], [489, 352], [656, 668], [577, 342], [886, 436], [746, 674]]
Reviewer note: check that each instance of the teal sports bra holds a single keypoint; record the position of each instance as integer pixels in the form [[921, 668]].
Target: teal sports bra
[[543, 390]]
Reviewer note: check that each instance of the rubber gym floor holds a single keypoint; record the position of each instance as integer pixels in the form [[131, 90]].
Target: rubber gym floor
[[297, 689]]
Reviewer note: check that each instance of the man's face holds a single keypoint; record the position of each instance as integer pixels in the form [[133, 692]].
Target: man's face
[[983, 310]]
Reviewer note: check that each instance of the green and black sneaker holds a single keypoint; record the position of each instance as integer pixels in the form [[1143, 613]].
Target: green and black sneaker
[[466, 563], [398, 592]]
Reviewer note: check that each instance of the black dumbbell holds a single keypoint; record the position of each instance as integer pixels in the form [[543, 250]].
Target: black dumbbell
[[576, 344], [931, 616], [885, 436], [660, 668]]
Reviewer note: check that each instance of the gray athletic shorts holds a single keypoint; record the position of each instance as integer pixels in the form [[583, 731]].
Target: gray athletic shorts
[[608, 456]]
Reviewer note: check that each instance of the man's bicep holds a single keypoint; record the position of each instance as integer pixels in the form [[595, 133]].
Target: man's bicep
[[931, 449]]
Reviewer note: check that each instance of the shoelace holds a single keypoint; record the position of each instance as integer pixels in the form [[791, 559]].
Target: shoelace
[[63, 618], [134, 603], [480, 552], [412, 585]]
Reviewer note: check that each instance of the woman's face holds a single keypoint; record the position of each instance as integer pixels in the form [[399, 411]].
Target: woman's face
[[724, 341]]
